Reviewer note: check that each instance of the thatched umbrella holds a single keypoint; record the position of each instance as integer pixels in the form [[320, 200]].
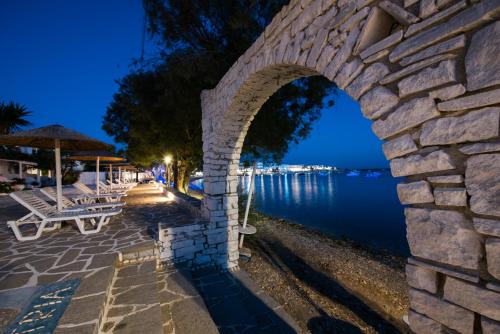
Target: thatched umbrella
[[98, 156], [54, 137], [125, 167]]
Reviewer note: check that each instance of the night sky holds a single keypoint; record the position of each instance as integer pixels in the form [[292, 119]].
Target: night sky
[[61, 59]]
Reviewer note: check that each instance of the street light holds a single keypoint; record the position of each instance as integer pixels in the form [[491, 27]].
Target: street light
[[167, 159]]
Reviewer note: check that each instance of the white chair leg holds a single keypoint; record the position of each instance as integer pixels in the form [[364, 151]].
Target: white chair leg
[[81, 226], [17, 232]]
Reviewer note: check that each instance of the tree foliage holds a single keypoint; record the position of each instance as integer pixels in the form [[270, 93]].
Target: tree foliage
[[157, 109], [13, 117]]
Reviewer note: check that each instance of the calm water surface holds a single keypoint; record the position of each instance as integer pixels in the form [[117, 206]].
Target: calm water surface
[[363, 209]]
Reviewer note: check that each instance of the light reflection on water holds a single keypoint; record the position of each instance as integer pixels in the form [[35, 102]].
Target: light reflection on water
[[360, 208]]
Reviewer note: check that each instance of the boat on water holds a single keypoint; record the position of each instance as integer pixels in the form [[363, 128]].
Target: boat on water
[[353, 172], [373, 174]]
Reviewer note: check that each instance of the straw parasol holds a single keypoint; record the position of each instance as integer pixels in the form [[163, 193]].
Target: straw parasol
[[54, 137], [98, 156]]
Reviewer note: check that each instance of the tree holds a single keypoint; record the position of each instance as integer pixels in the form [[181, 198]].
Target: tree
[[13, 117], [157, 108]]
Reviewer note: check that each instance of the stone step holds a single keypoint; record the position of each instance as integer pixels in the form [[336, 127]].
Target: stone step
[[87, 306], [183, 309], [133, 305], [138, 254]]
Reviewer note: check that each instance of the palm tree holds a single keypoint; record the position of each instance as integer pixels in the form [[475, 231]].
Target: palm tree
[[13, 117]]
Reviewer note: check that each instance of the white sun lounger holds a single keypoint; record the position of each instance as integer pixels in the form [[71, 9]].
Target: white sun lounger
[[109, 189], [127, 182], [118, 186], [50, 192], [89, 196], [42, 214]]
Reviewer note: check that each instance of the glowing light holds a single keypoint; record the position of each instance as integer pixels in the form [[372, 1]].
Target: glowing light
[[168, 159]]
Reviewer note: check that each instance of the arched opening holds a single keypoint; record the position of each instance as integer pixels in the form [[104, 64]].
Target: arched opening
[[336, 180], [327, 267]]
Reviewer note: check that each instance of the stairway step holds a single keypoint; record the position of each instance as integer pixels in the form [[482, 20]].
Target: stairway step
[[183, 309], [133, 304], [87, 307]]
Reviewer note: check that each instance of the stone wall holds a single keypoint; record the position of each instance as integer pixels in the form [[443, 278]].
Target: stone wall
[[427, 73], [194, 242]]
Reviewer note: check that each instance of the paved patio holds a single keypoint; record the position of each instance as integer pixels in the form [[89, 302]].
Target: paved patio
[[131, 295], [64, 254]]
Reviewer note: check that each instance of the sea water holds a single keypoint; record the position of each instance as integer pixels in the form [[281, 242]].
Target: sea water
[[363, 208]]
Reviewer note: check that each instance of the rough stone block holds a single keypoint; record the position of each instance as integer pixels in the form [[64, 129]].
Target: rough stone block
[[493, 260], [415, 192], [342, 55], [366, 80], [446, 179], [376, 56], [402, 16], [377, 27], [480, 148], [382, 44], [428, 78], [472, 297], [319, 42], [405, 71], [443, 47], [406, 116], [348, 72], [482, 180], [420, 324], [450, 315], [487, 226], [463, 21], [471, 101], [482, 63], [444, 270], [490, 326], [421, 278], [399, 146], [451, 196], [414, 28], [447, 93], [378, 101], [427, 8], [443, 236], [474, 126], [182, 243], [355, 19], [419, 164]]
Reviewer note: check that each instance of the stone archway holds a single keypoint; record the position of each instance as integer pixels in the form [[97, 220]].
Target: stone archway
[[427, 73]]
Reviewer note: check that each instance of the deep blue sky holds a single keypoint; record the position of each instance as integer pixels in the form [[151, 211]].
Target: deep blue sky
[[61, 58]]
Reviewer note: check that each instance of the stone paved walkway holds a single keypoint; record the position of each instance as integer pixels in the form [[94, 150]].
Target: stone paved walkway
[[133, 304], [113, 298], [65, 254], [238, 305]]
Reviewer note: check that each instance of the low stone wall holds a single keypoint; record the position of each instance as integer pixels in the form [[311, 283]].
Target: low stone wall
[[199, 243], [191, 204], [195, 243]]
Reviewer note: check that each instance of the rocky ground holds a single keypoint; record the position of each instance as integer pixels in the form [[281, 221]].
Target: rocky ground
[[327, 285]]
